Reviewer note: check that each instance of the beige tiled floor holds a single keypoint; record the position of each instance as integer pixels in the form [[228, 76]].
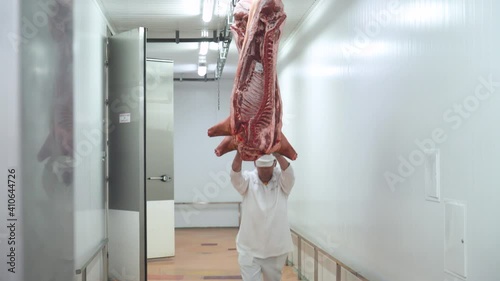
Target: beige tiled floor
[[203, 254]]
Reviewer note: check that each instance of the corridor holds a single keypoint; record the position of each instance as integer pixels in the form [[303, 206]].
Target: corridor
[[203, 254]]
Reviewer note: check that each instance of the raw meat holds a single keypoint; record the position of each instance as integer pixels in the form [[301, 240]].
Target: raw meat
[[254, 124]]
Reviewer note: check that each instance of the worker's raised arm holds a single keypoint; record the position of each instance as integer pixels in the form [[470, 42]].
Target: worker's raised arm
[[237, 162], [282, 161], [238, 180], [287, 178]]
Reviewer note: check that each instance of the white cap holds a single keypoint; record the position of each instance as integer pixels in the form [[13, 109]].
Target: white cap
[[265, 161]]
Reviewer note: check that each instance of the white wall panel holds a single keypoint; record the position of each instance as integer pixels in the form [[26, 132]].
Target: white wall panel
[[307, 261], [48, 165], [348, 276], [200, 176], [327, 269], [367, 87], [89, 195], [293, 257], [160, 229], [60, 103], [124, 263], [198, 215]]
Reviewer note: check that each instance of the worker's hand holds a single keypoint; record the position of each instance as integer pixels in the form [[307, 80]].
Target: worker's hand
[[278, 156]]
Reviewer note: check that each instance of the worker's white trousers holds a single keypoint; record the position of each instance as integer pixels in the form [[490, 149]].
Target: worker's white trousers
[[255, 269]]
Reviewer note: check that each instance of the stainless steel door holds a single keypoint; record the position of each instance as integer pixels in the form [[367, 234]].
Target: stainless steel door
[[127, 213], [160, 158]]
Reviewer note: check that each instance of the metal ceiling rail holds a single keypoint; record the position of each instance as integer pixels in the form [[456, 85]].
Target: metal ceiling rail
[[195, 79], [185, 40], [222, 37]]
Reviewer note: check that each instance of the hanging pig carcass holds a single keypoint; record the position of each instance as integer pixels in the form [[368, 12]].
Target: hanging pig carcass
[[254, 124]]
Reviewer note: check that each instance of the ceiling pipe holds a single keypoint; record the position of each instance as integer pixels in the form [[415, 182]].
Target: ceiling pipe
[[195, 79], [222, 37], [187, 40]]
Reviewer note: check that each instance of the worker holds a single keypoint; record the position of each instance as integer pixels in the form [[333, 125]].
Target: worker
[[264, 239]]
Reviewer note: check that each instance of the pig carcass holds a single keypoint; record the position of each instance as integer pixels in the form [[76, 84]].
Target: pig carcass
[[254, 124]]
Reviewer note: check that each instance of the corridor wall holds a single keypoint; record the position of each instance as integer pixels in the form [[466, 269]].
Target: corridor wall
[[201, 176], [90, 198], [392, 107], [54, 53]]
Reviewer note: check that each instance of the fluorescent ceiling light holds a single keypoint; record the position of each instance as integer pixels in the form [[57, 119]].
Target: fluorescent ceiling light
[[202, 65], [204, 45], [208, 10], [202, 70]]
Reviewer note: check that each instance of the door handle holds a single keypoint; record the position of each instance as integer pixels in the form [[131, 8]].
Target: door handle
[[163, 178]]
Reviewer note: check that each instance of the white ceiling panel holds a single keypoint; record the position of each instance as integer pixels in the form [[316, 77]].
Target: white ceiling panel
[[163, 17]]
